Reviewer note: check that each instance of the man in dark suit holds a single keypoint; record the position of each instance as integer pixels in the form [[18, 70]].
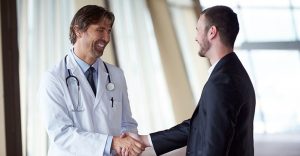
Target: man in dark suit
[[222, 124]]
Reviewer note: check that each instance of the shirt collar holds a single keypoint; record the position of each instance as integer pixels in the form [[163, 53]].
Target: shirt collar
[[83, 65], [211, 68]]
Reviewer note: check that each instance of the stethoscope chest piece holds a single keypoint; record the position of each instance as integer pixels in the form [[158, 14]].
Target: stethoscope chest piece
[[110, 86]]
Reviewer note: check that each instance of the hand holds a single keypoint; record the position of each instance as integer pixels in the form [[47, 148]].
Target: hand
[[128, 144], [141, 138]]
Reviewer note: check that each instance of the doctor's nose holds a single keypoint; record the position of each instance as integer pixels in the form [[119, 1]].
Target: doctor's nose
[[106, 37]]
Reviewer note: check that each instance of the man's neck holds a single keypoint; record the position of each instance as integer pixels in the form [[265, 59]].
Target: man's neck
[[217, 53], [83, 54]]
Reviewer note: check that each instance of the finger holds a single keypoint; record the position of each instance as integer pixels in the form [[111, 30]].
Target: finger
[[127, 152], [123, 151], [133, 153], [123, 135], [139, 145], [137, 149], [118, 151], [136, 145]]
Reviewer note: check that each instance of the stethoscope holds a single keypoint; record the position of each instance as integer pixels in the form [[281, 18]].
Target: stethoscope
[[110, 86], [79, 107]]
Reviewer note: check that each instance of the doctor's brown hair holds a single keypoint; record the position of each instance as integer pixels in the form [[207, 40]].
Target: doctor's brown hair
[[87, 15]]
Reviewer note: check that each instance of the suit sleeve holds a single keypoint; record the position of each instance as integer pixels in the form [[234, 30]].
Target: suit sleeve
[[221, 100], [171, 139]]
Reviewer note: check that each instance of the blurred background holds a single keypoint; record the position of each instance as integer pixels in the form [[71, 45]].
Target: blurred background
[[153, 41]]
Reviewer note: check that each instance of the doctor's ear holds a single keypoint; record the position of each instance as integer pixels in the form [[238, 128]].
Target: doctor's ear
[[77, 30]]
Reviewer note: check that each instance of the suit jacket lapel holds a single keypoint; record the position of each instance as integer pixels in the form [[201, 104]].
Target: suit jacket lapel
[[223, 63]]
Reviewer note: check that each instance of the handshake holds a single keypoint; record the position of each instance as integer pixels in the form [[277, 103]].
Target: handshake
[[129, 144]]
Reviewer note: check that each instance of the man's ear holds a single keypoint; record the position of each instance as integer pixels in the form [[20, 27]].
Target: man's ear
[[77, 31], [212, 32]]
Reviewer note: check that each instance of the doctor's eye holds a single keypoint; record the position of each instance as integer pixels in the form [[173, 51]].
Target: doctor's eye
[[99, 30]]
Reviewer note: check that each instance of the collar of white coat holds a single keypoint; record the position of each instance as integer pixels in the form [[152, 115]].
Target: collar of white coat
[[83, 65], [73, 65], [102, 74]]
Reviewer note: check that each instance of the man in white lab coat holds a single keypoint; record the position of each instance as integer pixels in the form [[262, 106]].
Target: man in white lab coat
[[84, 100]]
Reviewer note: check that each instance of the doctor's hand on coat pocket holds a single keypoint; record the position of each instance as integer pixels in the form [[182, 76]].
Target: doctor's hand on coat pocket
[[127, 144]]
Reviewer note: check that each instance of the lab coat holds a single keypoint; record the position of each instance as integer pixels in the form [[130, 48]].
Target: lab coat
[[79, 123]]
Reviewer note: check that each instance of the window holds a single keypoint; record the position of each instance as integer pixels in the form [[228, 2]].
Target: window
[[43, 28], [184, 20], [138, 56]]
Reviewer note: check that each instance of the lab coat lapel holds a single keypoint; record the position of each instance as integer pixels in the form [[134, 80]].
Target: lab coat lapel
[[102, 81], [76, 71]]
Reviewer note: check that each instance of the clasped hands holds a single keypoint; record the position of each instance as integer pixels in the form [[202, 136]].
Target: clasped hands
[[130, 144]]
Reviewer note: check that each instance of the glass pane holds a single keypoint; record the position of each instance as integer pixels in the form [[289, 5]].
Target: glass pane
[[241, 35], [245, 58], [139, 57], [184, 21], [264, 3], [297, 22], [209, 3], [277, 108], [247, 61], [279, 102], [295, 3], [265, 25], [181, 2]]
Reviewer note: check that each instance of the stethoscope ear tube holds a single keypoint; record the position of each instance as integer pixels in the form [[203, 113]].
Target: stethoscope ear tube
[[69, 74], [110, 86]]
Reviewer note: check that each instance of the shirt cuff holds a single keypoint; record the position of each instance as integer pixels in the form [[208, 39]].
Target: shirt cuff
[[107, 149], [150, 140]]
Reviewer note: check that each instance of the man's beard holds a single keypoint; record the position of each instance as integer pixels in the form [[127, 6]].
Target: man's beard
[[204, 48]]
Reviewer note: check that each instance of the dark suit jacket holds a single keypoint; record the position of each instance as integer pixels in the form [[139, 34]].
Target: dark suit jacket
[[222, 123]]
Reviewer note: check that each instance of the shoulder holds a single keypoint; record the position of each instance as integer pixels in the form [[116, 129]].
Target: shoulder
[[57, 67], [55, 72], [220, 78]]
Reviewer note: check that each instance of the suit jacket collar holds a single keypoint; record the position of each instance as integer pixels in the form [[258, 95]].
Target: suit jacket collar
[[223, 61]]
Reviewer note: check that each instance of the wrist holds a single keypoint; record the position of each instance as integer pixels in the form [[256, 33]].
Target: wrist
[[114, 142], [145, 140]]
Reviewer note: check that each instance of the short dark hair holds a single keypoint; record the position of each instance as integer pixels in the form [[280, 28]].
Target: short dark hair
[[89, 14], [226, 22]]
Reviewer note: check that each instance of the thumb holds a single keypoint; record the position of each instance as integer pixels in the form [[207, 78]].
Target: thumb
[[123, 135]]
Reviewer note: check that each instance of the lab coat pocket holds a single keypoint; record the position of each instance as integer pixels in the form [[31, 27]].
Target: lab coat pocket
[[115, 103]]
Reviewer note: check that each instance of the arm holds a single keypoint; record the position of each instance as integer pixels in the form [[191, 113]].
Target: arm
[[128, 122], [171, 139]]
